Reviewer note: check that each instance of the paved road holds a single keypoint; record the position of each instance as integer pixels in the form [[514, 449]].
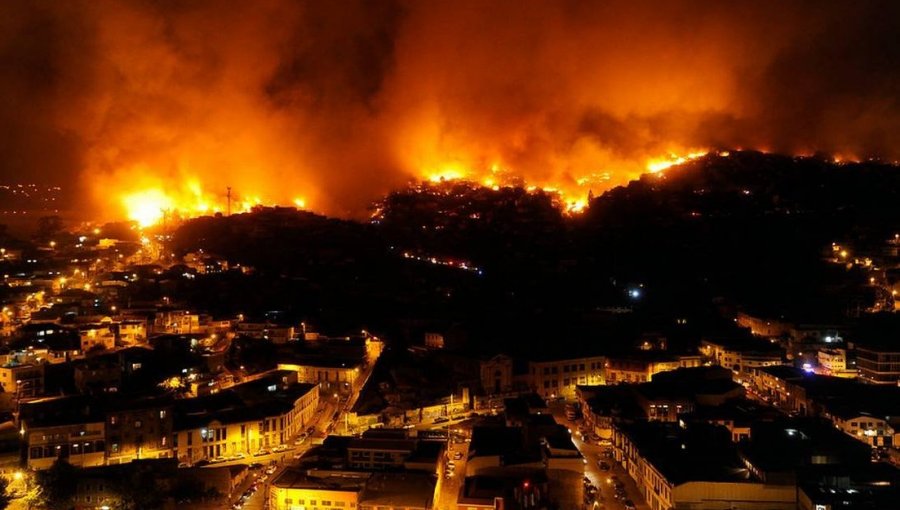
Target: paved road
[[448, 488], [593, 453]]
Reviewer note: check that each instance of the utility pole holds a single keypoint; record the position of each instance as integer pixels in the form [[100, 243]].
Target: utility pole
[[229, 202]]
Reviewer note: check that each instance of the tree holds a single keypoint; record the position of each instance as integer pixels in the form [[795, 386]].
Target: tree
[[58, 485], [5, 497]]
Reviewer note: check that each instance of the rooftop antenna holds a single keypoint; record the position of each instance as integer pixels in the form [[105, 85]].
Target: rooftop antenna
[[229, 202]]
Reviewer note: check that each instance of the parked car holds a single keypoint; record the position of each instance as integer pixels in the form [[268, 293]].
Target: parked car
[[441, 420], [238, 456], [280, 448], [629, 505], [261, 452], [604, 466]]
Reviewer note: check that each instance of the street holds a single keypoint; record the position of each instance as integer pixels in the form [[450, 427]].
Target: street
[[593, 453]]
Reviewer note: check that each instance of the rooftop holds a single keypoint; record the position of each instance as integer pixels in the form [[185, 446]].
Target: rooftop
[[699, 453]]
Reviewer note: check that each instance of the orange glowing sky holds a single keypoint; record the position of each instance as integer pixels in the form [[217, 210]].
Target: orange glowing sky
[[161, 106]]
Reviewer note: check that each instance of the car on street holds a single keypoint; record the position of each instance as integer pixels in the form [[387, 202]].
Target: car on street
[[441, 420], [280, 448], [604, 466], [237, 456], [629, 505], [261, 452]]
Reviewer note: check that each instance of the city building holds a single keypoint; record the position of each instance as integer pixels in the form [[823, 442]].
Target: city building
[[741, 355], [62, 428], [559, 378], [97, 336], [874, 430], [878, 363], [22, 380], [497, 375], [295, 489], [336, 375], [138, 429], [834, 362], [242, 420], [638, 368], [695, 467]]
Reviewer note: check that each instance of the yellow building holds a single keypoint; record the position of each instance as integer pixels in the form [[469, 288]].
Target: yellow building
[[80, 444], [338, 376], [295, 489], [97, 336], [228, 424], [23, 380], [132, 332], [642, 368], [741, 356], [870, 429], [551, 379]]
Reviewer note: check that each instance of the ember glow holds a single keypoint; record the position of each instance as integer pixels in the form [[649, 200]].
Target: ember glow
[[162, 106]]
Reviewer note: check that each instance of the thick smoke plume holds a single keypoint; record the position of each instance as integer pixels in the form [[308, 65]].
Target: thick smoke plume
[[336, 102]]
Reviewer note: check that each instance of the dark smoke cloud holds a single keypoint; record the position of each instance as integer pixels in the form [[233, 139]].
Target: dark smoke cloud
[[340, 101]]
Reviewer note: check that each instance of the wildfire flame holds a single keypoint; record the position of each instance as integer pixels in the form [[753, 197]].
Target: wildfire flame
[[658, 165], [150, 206]]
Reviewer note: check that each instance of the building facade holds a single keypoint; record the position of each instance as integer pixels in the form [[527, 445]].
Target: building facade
[[559, 378], [878, 364]]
